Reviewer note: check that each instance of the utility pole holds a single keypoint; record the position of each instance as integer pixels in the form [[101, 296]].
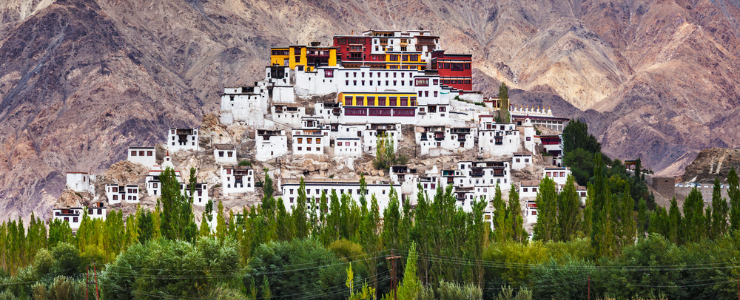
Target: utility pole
[[97, 291], [87, 280], [393, 258]]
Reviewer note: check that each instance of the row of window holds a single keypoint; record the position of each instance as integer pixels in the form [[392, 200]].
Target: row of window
[[392, 101], [229, 153], [141, 153], [309, 140], [370, 74], [455, 81], [370, 82], [345, 143], [318, 149], [454, 66], [555, 174], [526, 160]]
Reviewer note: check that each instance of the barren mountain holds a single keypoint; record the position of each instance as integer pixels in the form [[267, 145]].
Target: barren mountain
[[80, 80]]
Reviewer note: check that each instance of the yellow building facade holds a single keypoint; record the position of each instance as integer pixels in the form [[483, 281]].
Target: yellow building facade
[[306, 57], [378, 99]]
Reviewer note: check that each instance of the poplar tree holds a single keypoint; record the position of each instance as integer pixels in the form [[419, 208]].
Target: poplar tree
[[569, 210], [514, 219], [733, 192], [719, 211], [674, 221], [692, 225], [499, 216], [627, 228], [220, 221], [391, 235], [284, 224], [171, 208], [546, 228], [642, 218], [300, 214], [503, 95]]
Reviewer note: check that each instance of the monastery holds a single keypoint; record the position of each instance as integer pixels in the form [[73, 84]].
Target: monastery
[[379, 84]]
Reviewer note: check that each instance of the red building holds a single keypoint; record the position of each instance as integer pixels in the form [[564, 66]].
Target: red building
[[454, 69], [354, 51]]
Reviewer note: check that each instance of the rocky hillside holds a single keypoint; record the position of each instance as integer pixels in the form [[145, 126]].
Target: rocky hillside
[[80, 80], [712, 163]]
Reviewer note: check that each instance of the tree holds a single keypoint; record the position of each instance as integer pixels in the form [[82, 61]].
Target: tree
[[692, 226], [602, 218], [145, 224], [581, 163], [674, 221], [172, 202], [300, 213], [298, 269], [546, 228], [719, 211], [734, 194], [499, 216], [503, 96], [411, 285], [221, 227], [514, 219], [642, 218], [569, 210], [284, 223], [575, 135]]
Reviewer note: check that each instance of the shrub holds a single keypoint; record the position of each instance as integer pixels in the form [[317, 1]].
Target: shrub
[[245, 163]]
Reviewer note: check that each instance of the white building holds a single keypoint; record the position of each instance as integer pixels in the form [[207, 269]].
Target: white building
[[71, 215], [553, 145], [407, 182], [279, 75], [529, 135], [224, 153], [311, 138], [314, 189], [441, 138], [288, 114], [497, 139], [521, 160], [200, 197], [351, 147], [270, 144], [236, 179], [283, 94], [478, 178], [558, 174], [246, 104], [146, 156], [530, 212], [117, 193], [528, 189], [540, 117], [372, 132], [153, 184], [182, 139], [81, 182], [97, 210]]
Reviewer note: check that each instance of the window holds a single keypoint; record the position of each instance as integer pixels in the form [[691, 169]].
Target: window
[[426, 93], [74, 219], [548, 174], [525, 190], [435, 93], [526, 160], [517, 160], [291, 191], [309, 140], [300, 141], [328, 73], [442, 108], [133, 153], [346, 82], [300, 148], [291, 199], [534, 212], [308, 148], [394, 83], [318, 141], [354, 82], [220, 154], [562, 174], [381, 100], [141, 153], [436, 81], [394, 101], [422, 82]]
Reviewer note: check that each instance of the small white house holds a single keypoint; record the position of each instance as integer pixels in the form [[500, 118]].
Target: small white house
[[521, 160], [497, 139], [246, 104], [117, 193], [143, 155], [71, 215], [558, 174], [182, 139], [81, 182], [224, 153], [200, 196], [270, 144], [374, 131], [236, 179], [311, 138], [530, 212], [288, 114], [351, 147], [528, 189], [97, 211], [529, 135], [445, 137]]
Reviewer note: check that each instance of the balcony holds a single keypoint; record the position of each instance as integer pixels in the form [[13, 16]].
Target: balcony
[[423, 138], [461, 139], [439, 138]]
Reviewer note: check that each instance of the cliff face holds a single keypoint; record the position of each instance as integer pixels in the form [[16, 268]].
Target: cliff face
[[80, 80]]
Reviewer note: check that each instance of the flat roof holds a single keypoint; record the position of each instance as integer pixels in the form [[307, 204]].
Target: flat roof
[[142, 147], [224, 146]]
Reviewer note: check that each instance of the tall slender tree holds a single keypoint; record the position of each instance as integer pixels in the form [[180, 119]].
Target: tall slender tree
[[499, 216], [674, 222], [546, 228], [733, 192], [569, 210], [719, 211], [514, 219], [692, 227], [300, 213]]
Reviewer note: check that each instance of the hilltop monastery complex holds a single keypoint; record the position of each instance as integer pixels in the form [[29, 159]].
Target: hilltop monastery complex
[[334, 103]]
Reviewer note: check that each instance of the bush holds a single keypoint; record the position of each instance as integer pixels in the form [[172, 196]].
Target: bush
[[67, 259], [300, 268], [246, 163]]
